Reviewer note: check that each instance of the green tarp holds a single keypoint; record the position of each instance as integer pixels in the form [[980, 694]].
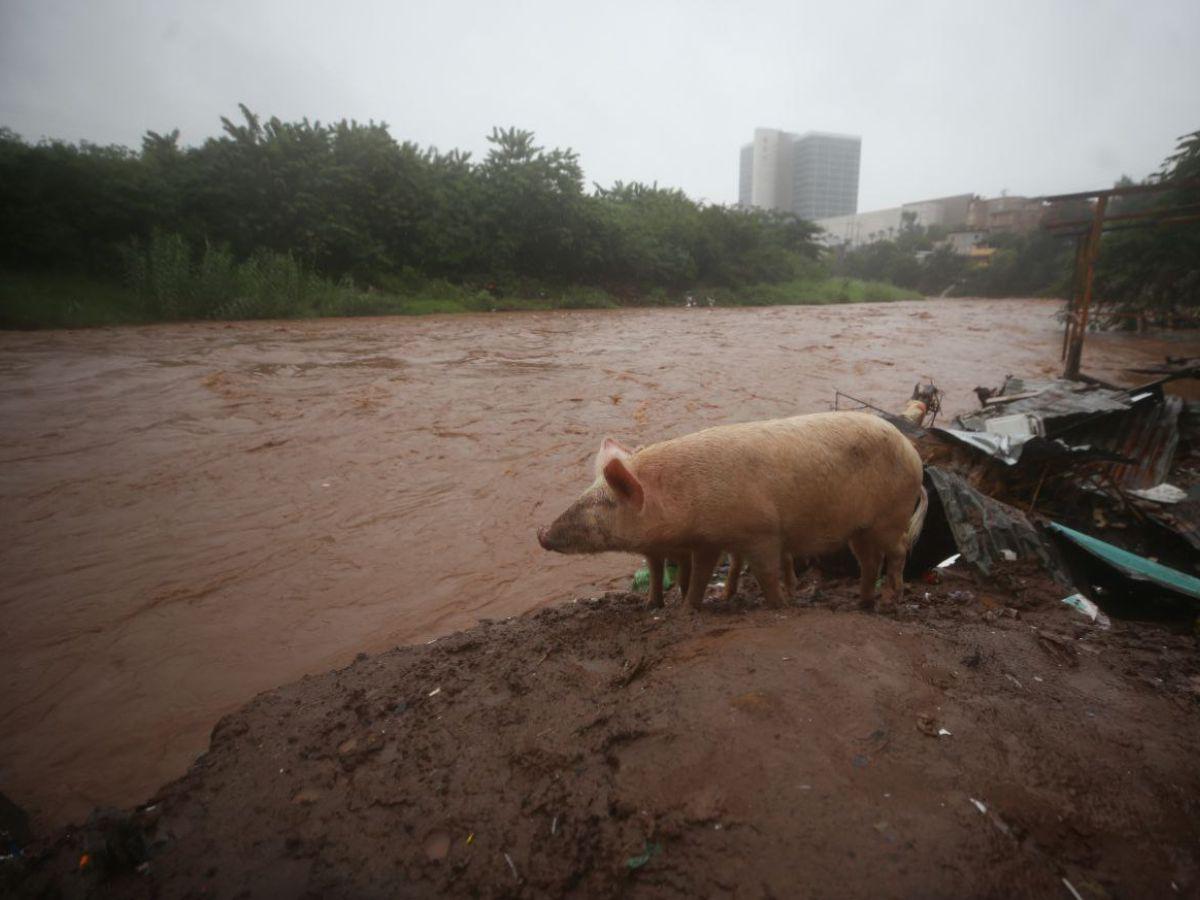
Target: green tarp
[[1131, 564]]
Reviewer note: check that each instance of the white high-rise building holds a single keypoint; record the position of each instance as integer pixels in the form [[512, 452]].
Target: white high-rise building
[[814, 175]]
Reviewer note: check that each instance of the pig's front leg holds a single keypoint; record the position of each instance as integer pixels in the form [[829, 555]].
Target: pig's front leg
[[684, 574], [655, 565], [704, 561]]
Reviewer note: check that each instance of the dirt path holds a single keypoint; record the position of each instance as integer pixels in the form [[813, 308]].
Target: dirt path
[[195, 513], [600, 749]]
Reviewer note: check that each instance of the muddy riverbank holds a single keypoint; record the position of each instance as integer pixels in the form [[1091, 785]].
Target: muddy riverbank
[[196, 513], [981, 741]]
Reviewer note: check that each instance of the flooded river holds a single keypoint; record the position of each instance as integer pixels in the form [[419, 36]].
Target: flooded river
[[195, 513]]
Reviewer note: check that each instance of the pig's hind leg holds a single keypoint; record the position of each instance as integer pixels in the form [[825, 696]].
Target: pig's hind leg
[[869, 557], [765, 562], [896, 558]]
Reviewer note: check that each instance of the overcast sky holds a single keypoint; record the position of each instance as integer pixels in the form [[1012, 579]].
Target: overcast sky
[[1035, 97]]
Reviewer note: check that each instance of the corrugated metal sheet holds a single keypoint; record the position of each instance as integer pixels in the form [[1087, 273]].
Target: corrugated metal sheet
[[1058, 404], [1140, 425], [1148, 435], [983, 528]]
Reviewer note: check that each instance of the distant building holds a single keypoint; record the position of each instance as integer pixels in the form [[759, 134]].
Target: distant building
[[1017, 215], [967, 217], [964, 242], [884, 224], [814, 175]]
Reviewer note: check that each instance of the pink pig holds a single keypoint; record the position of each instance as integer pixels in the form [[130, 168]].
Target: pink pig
[[806, 486]]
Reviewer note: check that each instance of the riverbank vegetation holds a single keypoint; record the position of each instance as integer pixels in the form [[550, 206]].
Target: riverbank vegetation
[[274, 219]]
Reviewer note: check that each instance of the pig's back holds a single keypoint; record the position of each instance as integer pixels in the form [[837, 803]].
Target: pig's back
[[816, 479]]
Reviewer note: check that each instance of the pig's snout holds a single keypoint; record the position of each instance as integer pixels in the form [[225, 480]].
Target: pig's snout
[[543, 536]]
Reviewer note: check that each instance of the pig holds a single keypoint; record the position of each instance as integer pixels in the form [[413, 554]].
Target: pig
[[805, 485]]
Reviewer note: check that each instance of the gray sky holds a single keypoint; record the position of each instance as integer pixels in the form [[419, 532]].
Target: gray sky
[[1032, 97]]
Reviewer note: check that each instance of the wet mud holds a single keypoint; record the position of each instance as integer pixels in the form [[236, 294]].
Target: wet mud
[[983, 740]]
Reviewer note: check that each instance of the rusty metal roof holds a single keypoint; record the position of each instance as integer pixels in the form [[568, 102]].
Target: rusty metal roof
[[1148, 435]]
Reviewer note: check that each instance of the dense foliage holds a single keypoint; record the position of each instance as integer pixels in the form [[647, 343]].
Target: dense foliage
[[1156, 268], [349, 201]]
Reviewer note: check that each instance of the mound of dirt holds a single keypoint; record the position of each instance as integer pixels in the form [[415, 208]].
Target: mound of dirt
[[982, 740]]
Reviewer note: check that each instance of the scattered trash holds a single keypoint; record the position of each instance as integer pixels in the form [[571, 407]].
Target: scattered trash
[[974, 660], [927, 724], [960, 596], [85, 860], [1018, 425], [435, 692], [1070, 887], [641, 578], [650, 851], [512, 866], [949, 561], [1088, 608], [1162, 493], [1008, 555], [978, 805], [470, 837], [1059, 648], [554, 825]]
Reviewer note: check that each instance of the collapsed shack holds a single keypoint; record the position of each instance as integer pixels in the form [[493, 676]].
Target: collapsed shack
[[1099, 485]]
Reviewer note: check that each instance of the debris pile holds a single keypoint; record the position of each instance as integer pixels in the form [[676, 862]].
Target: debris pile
[[1099, 484]]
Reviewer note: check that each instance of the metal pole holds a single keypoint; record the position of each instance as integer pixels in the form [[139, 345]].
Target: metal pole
[[1073, 295], [1075, 351]]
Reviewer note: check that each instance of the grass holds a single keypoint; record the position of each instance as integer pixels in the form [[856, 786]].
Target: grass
[[64, 301], [167, 282]]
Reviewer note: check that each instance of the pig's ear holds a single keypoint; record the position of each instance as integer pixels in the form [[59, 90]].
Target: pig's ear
[[610, 449], [624, 483]]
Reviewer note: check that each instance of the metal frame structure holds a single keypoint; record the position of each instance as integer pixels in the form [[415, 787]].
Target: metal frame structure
[[1088, 233]]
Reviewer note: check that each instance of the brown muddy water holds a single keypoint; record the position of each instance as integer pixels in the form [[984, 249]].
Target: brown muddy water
[[195, 513]]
